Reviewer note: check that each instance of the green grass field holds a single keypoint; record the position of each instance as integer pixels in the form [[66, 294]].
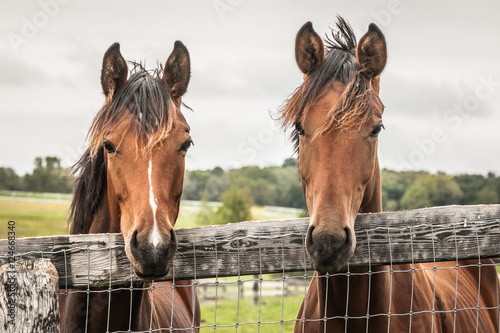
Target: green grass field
[[247, 314], [187, 215], [34, 218], [47, 218]]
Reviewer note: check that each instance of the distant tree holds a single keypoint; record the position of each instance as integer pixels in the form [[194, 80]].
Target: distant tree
[[195, 183], [394, 186], [432, 190], [497, 185], [492, 186], [470, 185], [236, 207], [448, 191], [295, 197], [417, 195], [263, 192], [281, 186], [487, 195], [217, 184], [290, 162], [261, 183], [217, 172], [205, 183], [288, 187], [205, 215], [48, 176], [9, 180]]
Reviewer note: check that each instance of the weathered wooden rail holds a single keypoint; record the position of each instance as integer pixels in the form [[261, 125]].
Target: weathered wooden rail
[[431, 234]]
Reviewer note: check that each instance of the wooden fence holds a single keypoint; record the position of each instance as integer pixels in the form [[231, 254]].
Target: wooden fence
[[250, 248]]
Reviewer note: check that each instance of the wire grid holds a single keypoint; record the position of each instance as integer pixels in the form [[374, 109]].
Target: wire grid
[[230, 310]]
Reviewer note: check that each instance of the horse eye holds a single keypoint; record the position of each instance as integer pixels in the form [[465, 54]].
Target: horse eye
[[299, 129], [109, 147], [376, 131], [186, 145]]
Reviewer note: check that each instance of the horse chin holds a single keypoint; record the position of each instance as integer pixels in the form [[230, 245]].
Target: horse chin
[[331, 265], [150, 276], [148, 273]]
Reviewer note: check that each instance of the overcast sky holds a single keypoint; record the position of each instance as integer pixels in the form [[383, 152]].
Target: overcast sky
[[441, 87]]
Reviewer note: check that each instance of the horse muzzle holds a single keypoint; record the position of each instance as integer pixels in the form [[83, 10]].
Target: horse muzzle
[[329, 251], [152, 260]]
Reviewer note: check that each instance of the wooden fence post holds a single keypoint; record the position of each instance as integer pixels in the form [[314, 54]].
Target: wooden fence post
[[29, 297]]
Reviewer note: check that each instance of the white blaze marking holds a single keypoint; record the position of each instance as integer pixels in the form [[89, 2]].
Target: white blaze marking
[[155, 237]]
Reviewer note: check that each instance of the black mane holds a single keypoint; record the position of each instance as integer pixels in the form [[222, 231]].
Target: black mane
[[90, 190]]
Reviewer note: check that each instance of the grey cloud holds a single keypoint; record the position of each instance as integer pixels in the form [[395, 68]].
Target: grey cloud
[[243, 66], [17, 73]]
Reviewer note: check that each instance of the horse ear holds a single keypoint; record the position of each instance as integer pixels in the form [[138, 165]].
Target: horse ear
[[114, 71], [371, 53], [309, 49], [177, 71]]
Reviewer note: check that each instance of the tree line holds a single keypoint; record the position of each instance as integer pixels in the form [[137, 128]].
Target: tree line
[[280, 185], [47, 176], [269, 186]]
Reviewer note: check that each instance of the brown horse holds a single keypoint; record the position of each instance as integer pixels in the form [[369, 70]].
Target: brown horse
[[130, 181], [337, 114]]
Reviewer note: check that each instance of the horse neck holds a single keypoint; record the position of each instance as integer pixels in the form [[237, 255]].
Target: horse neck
[[372, 200], [106, 217], [74, 305], [101, 222]]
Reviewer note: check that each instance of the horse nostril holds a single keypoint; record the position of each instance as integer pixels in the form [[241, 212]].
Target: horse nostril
[[348, 236], [173, 237], [309, 239], [133, 239]]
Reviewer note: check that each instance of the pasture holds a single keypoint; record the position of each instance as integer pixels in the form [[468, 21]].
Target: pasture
[[273, 310], [39, 216], [34, 218]]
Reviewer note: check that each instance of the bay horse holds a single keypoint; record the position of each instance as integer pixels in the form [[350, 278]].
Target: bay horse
[[337, 116], [130, 182]]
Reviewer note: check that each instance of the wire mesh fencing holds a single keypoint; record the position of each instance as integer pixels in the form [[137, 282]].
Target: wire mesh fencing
[[254, 276]]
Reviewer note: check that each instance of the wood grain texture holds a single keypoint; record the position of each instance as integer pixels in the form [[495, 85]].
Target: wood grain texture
[[35, 295], [422, 235]]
